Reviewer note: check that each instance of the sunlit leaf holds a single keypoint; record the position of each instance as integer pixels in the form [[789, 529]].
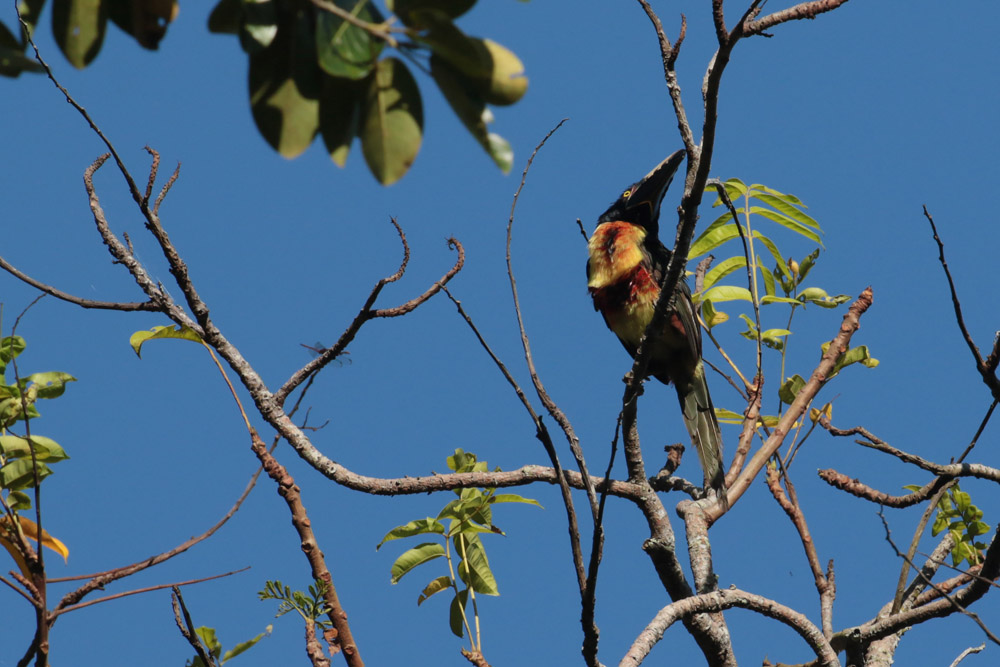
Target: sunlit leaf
[[46, 449], [392, 128], [787, 222], [442, 583], [19, 474], [139, 338], [791, 388], [793, 212], [417, 527], [723, 269], [471, 110], [727, 293], [711, 316], [242, 647], [775, 253], [791, 199], [411, 558], [30, 530], [715, 235], [475, 564]]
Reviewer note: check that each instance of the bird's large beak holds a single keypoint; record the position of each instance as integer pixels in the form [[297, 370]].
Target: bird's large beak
[[650, 190]]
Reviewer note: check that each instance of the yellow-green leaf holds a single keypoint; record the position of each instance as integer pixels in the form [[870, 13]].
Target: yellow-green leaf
[[78, 26], [179, 333], [393, 121]]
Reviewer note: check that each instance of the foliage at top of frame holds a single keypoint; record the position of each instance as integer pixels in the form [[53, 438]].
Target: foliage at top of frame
[[316, 68]]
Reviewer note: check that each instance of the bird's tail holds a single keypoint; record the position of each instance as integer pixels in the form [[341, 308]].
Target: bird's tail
[[703, 427]]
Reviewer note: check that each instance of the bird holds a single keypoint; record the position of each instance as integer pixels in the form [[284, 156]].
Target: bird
[[625, 266]]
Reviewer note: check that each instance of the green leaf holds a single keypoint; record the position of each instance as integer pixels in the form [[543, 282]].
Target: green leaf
[[471, 110], [10, 348], [417, 527], [177, 333], [51, 384], [806, 265], [207, 636], [147, 21], [18, 501], [788, 223], [242, 647], [46, 449], [461, 461], [728, 416], [727, 293], [13, 59], [779, 299], [442, 583], [783, 206], [711, 316], [474, 566], [456, 618], [392, 128], [343, 49], [413, 557], [78, 26], [855, 355], [775, 253], [715, 235], [735, 188], [285, 85], [18, 474], [768, 277], [821, 298], [723, 269], [340, 105], [513, 498], [790, 389], [791, 199]]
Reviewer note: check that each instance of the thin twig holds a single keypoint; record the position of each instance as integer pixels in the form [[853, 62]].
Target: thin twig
[[186, 626]]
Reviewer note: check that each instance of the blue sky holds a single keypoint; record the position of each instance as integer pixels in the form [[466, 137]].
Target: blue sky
[[865, 114]]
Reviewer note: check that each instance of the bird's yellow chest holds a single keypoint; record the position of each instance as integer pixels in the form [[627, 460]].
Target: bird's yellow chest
[[619, 279], [615, 252]]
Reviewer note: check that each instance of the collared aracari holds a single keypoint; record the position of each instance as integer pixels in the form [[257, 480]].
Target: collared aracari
[[626, 266]]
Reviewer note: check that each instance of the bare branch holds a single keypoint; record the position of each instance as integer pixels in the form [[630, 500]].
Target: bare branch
[[966, 653], [147, 589], [726, 599], [366, 313], [850, 324], [64, 296], [804, 10], [989, 376]]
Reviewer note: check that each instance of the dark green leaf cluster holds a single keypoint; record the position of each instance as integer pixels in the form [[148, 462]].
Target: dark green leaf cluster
[[964, 521], [18, 401], [313, 71], [457, 527], [214, 646], [79, 27]]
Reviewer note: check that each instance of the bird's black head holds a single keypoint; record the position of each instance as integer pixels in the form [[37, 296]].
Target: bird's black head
[[640, 202]]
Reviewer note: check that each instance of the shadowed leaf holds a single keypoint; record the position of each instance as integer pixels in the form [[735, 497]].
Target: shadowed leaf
[[285, 87], [343, 49], [78, 26]]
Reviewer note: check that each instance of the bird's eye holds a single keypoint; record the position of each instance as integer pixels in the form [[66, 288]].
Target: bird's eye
[[627, 193]]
